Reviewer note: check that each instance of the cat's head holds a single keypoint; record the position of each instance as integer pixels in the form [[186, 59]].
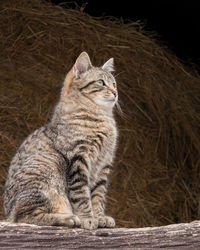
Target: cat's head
[[96, 83]]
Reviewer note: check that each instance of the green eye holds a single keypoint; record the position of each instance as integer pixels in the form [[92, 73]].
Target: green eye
[[101, 82]]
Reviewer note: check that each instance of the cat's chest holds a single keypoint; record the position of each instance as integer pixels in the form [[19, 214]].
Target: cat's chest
[[95, 141], [103, 153], [104, 138], [96, 137]]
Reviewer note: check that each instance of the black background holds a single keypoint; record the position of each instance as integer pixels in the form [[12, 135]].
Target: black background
[[176, 22]]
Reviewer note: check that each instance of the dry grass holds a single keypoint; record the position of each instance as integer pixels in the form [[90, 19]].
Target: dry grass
[[155, 180]]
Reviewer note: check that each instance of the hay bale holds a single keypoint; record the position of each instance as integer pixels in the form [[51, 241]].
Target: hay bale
[[155, 180]]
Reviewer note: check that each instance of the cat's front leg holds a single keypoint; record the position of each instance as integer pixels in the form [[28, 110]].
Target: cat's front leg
[[79, 192], [98, 196]]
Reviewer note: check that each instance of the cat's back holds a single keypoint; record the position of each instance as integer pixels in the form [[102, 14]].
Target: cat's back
[[33, 144]]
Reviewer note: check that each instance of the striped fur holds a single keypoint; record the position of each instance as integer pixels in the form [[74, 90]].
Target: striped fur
[[59, 175]]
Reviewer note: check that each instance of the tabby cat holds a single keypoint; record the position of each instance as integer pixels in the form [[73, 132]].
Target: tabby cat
[[59, 175]]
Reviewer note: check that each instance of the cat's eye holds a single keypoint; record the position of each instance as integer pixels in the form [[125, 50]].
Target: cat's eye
[[101, 82]]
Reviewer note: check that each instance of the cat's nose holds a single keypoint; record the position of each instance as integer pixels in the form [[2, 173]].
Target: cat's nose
[[114, 93]]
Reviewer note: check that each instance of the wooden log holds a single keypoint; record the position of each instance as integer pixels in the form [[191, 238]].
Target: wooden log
[[24, 236]]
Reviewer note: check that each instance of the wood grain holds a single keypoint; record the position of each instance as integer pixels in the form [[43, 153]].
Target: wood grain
[[24, 236]]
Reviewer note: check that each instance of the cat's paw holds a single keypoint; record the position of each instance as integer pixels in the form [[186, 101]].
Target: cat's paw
[[89, 223], [106, 221], [75, 221], [71, 221]]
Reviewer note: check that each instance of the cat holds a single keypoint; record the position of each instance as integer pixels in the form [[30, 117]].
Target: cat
[[59, 175]]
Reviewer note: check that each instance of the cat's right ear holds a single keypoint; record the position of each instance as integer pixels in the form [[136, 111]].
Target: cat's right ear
[[82, 64]]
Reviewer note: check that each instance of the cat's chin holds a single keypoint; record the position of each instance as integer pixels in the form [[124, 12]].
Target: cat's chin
[[107, 103]]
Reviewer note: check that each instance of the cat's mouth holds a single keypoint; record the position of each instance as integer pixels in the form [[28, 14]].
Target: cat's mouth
[[112, 98]]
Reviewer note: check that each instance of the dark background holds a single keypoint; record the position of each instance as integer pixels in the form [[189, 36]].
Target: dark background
[[176, 22]]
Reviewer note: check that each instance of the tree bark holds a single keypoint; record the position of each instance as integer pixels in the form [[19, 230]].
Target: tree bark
[[24, 236]]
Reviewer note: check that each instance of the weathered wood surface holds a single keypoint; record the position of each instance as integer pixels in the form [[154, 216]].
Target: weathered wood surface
[[24, 236]]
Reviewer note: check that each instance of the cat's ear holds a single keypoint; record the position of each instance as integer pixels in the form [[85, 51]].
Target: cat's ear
[[109, 65], [82, 64]]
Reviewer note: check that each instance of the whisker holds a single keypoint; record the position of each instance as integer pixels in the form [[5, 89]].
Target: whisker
[[120, 111], [119, 74]]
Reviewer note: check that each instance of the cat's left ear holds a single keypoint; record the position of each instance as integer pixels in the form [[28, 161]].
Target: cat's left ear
[[109, 65], [82, 64]]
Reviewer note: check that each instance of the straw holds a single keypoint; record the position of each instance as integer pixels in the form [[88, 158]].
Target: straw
[[155, 178]]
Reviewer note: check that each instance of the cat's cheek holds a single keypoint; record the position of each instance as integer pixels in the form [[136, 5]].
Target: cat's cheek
[[99, 101]]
